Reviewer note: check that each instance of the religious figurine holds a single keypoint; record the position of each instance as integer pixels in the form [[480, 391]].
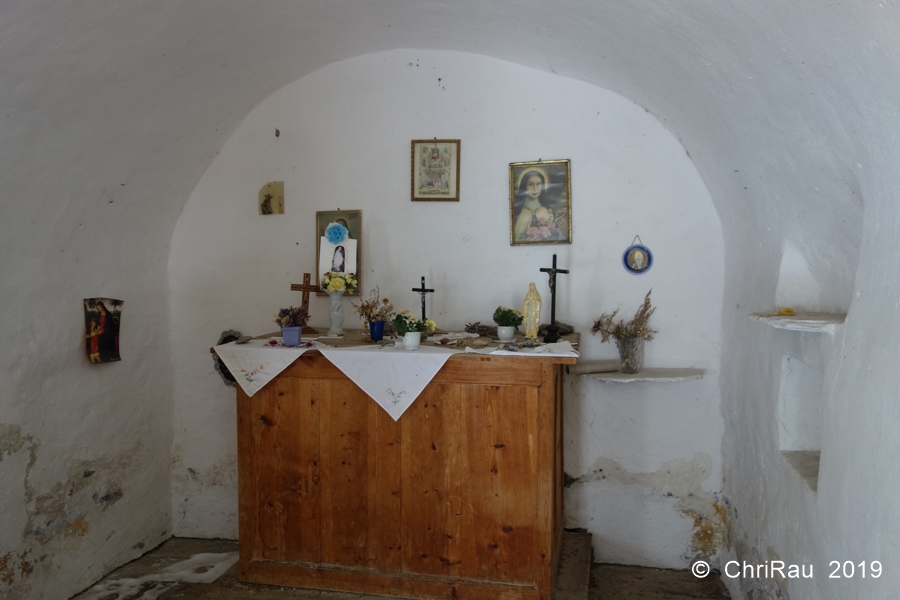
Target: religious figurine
[[532, 312]]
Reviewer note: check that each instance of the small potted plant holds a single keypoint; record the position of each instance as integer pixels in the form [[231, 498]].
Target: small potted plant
[[291, 320], [508, 321], [410, 328], [336, 284], [629, 335], [375, 311]]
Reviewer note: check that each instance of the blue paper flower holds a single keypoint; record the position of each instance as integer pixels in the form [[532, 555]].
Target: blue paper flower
[[335, 233]]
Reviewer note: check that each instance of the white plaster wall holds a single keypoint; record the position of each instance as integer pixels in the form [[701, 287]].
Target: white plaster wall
[[788, 110], [84, 449], [344, 142]]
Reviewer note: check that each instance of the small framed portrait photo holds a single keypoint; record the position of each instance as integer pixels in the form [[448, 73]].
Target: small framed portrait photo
[[339, 255], [435, 170], [540, 203]]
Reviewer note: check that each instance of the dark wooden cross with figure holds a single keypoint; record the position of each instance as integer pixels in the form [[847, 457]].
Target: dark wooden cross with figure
[[306, 288], [422, 291], [553, 328]]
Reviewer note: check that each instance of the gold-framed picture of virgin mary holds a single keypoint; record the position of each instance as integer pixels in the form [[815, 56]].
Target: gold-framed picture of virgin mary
[[540, 202], [339, 250]]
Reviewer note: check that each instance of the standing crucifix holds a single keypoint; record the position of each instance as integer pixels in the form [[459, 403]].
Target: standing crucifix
[[422, 291], [306, 288], [553, 328]]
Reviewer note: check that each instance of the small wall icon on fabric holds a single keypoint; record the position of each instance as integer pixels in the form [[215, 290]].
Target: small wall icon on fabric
[[271, 198], [637, 258]]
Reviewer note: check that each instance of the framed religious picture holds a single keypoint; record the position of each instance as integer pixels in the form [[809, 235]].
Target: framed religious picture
[[435, 170], [637, 258], [540, 203], [340, 250]]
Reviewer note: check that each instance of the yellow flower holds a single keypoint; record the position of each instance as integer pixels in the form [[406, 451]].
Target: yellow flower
[[431, 324], [405, 312], [339, 285]]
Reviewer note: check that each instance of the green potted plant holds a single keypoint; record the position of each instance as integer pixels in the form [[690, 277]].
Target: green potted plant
[[629, 335], [291, 320], [375, 311], [508, 321], [410, 328]]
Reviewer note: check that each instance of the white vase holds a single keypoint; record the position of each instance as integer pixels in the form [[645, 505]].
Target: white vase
[[506, 333], [336, 313], [411, 340]]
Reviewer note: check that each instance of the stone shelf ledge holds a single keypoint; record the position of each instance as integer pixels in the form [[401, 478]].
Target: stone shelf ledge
[[809, 322], [654, 375]]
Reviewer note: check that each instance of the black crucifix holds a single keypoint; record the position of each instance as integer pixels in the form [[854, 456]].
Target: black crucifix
[[552, 328], [306, 288], [422, 291]]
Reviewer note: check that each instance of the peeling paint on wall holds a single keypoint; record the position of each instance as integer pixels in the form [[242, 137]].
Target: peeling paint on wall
[[682, 481], [61, 519], [220, 474], [11, 439], [738, 548], [62, 510]]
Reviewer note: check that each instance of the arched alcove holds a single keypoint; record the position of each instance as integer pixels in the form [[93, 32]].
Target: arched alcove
[[343, 141]]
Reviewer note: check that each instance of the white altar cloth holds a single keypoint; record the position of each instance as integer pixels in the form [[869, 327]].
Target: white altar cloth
[[391, 376], [256, 363]]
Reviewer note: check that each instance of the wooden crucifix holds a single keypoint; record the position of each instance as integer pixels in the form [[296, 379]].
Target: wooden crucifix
[[306, 288], [553, 328], [422, 291]]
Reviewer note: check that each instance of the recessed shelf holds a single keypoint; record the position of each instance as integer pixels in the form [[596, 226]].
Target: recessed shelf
[[806, 463], [655, 375], [809, 322]]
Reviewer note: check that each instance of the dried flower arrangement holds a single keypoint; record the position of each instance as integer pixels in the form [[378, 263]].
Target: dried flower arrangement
[[636, 328], [375, 308], [508, 317], [292, 317]]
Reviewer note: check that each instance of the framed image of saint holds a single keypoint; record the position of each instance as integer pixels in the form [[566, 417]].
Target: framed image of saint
[[637, 259], [540, 203], [435, 170], [341, 256]]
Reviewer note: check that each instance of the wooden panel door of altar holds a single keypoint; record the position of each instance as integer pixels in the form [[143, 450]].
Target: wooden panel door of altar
[[459, 498]]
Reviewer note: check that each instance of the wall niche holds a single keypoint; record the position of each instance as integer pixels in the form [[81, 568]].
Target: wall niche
[[799, 416]]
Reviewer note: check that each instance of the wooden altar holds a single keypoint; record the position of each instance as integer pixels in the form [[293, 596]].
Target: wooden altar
[[459, 498]]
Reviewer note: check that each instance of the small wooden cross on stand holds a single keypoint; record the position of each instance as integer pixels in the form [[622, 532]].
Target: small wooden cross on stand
[[422, 291], [552, 328], [306, 288]]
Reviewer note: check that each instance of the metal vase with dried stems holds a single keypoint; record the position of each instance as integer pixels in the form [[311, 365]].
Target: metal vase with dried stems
[[629, 335]]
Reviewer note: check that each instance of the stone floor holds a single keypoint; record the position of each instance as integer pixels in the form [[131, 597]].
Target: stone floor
[[607, 582]]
